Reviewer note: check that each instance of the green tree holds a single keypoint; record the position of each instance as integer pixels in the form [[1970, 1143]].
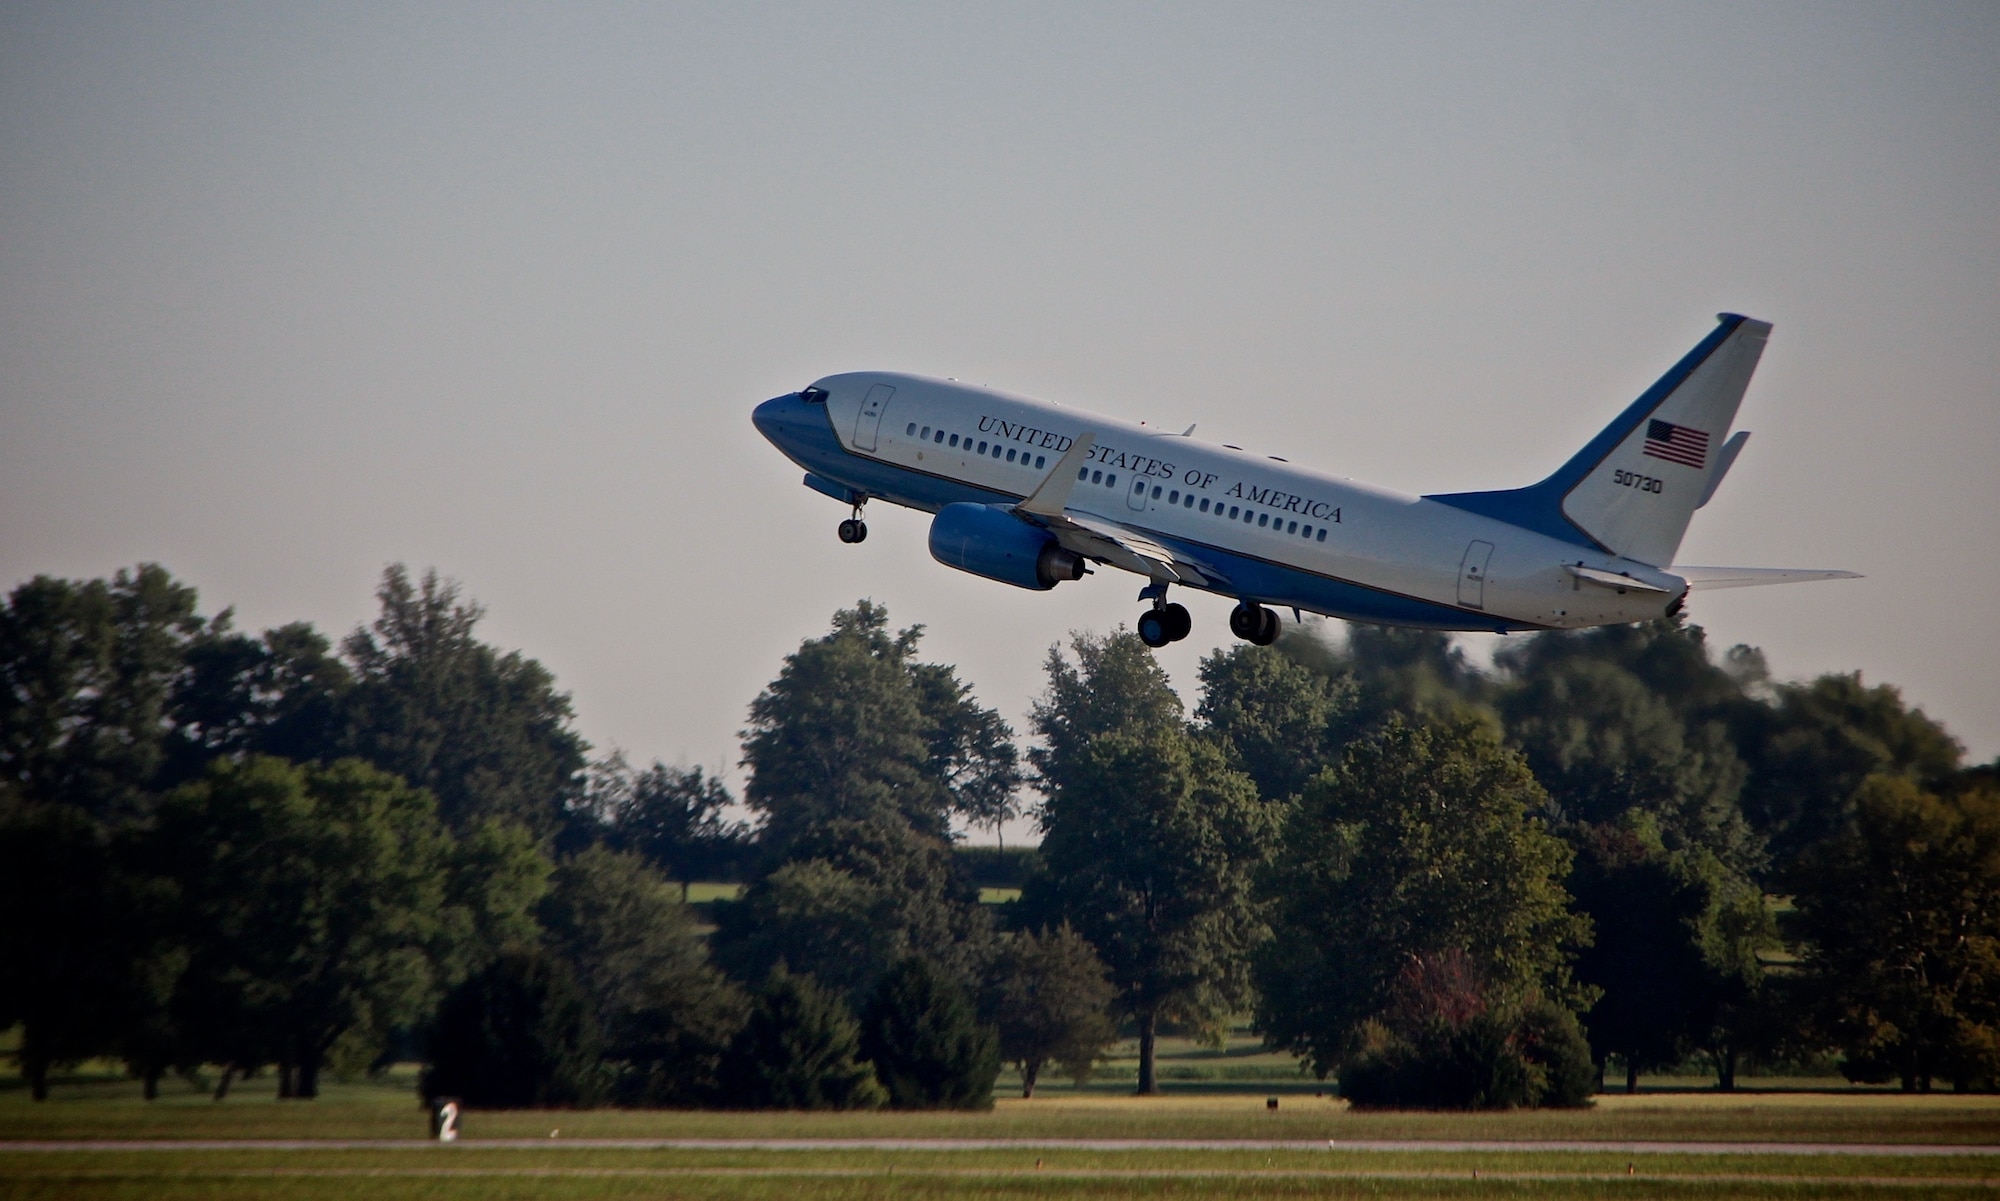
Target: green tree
[[673, 817], [972, 750], [283, 694], [854, 899], [1669, 656], [1446, 1041], [1734, 930], [1900, 925], [1051, 997], [840, 735], [1115, 684], [494, 877], [1811, 752], [487, 733], [1419, 843], [1646, 959], [88, 671], [1284, 720], [518, 1035], [1418, 674], [854, 729], [313, 898], [1149, 841], [926, 1041], [664, 1011], [800, 1049], [68, 944], [1605, 744]]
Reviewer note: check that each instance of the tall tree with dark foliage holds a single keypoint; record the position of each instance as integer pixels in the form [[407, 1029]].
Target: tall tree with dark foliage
[[486, 732]]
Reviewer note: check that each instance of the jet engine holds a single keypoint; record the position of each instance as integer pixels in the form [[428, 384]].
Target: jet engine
[[989, 541]]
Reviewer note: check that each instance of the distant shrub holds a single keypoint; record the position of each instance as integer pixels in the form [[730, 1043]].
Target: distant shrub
[[518, 1035], [926, 1042], [1443, 1044], [800, 1049]]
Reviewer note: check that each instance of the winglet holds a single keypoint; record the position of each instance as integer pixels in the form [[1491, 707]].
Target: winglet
[[1724, 459], [1053, 493]]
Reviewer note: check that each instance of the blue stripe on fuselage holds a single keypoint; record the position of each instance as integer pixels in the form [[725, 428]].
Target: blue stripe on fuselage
[[805, 434]]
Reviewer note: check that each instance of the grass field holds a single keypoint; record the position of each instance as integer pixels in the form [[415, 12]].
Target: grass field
[[1213, 1093], [431, 1171], [702, 893], [563, 1167], [388, 1110]]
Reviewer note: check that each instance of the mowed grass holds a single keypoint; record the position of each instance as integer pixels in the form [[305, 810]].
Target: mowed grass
[[564, 1168], [1213, 1093], [450, 1172], [113, 1109], [703, 892]]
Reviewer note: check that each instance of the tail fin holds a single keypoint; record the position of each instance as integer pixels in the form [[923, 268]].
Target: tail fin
[[1632, 488]]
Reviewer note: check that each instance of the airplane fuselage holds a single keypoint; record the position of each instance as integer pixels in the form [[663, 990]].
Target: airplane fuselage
[[1259, 528]]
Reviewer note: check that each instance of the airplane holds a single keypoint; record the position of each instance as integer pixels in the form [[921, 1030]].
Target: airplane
[[1031, 493]]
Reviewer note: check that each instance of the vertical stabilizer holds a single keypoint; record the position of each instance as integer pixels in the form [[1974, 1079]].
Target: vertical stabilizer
[[1632, 488]]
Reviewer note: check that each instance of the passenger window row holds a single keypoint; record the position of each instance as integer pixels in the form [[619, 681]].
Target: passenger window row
[[1263, 520], [938, 436], [1098, 476]]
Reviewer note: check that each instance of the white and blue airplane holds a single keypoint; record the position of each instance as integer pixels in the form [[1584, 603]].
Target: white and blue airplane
[[1029, 493]]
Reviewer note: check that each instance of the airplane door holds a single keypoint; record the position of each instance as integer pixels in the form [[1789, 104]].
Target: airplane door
[[1136, 497], [869, 420], [1472, 575]]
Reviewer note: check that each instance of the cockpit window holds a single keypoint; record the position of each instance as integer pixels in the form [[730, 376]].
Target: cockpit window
[[813, 396]]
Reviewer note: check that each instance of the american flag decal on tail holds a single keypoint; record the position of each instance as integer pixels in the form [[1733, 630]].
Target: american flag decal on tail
[[1677, 443]]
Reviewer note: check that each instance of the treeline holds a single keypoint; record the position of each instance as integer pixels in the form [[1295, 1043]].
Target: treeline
[[1441, 886]]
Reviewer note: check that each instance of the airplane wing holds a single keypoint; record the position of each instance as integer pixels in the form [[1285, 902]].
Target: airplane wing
[[1700, 578], [1106, 541], [1122, 546]]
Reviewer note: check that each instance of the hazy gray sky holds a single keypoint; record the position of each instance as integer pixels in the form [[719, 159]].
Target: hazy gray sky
[[292, 291]]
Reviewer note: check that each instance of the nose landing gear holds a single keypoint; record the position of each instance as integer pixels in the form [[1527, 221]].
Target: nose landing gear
[[1165, 622], [1254, 624], [854, 529]]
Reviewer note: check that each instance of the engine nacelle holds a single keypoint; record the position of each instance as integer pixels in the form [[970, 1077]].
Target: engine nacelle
[[989, 541]]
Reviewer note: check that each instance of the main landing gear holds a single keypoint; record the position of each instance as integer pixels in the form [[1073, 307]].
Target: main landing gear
[[1254, 623], [854, 529], [1165, 622]]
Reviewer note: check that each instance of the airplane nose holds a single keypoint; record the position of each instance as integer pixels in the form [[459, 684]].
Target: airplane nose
[[775, 414]]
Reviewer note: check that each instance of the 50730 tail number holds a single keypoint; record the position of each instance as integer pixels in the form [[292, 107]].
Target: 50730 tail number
[[1644, 483]]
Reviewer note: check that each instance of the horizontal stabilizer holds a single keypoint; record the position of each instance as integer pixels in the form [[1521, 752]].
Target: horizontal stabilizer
[[1611, 579], [1704, 578]]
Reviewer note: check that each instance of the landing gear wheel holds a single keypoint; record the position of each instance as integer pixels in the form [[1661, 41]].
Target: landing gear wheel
[[1154, 628], [1254, 624], [1179, 624], [853, 530]]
